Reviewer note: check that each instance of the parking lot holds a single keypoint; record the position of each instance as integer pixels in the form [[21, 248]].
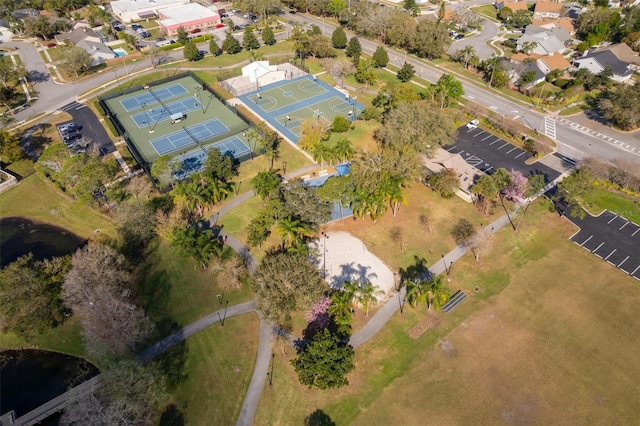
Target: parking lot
[[92, 131], [487, 152], [612, 238]]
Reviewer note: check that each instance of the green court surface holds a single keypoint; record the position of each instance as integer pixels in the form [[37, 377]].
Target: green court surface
[[146, 117], [327, 110]]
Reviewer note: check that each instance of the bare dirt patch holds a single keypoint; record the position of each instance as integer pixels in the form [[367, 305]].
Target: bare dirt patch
[[430, 321]]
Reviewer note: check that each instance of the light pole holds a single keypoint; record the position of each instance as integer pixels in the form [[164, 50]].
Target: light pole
[[445, 265], [220, 296], [118, 81], [199, 98], [324, 255], [284, 168], [270, 373]]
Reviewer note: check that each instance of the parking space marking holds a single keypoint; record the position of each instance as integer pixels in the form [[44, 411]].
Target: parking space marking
[[620, 264], [614, 218], [478, 134], [626, 223], [452, 148], [497, 140], [635, 270], [503, 146], [490, 135], [614, 250], [512, 149], [633, 235], [596, 249], [585, 241], [522, 153], [487, 171]]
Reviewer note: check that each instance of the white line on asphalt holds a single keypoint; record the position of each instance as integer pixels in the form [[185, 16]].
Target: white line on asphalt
[[623, 226], [596, 254], [585, 241], [614, 218], [486, 138], [596, 249], [478, 134], [522, 153], [635, 232], [504, 145], [634, 271], [453, 147], [497, 140], [488, 169], [514, 148], [614, 250], [625, 259]]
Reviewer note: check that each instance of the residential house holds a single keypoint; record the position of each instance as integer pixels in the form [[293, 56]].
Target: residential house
[[545, 44], [25, 13], [548, 10], [552, 62], [191, 17], [99, 52], [513, 5], [624, 53], [565, 23], [541, 32], [520, 64], [598, 61], [77, 35]]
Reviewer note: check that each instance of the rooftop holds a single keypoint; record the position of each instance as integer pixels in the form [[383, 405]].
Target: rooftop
[[548, 7], [186, 13]]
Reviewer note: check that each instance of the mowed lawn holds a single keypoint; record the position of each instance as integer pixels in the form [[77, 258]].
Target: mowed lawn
[[211, 371], [548, 339]]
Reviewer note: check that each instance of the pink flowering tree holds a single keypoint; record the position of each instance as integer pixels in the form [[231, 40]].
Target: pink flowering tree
[[517, 187], [318, 317]]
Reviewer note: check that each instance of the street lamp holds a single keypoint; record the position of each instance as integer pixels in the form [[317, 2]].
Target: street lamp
[[445, 265], [118, 81], [199, 98], [270, 373], [284, 168], [324, 255]]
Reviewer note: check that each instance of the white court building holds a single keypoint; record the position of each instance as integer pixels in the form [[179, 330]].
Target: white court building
[[262, 74], [136, 10]]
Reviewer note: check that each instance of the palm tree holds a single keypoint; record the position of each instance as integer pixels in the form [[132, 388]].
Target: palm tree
[[341, 311], [391, 192], [292, 230], [368, 297], [366, 203], [352, 289], [207, 246], [417, 292], [438, 294], [219, 190], [344, 150], [322, 153], [468, 52]]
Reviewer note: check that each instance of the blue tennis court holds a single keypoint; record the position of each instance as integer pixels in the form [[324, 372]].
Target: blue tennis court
[[185, 137], [158, 114], [148, 98], [193, 162]]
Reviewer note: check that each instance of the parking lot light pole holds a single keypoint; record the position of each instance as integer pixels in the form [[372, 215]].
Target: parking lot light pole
[[118, 81]]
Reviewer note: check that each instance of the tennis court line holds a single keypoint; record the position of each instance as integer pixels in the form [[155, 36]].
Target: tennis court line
[[165, 113], [149, 99]]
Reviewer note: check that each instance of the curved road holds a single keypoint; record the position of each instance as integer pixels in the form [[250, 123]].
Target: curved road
[[478, 41]]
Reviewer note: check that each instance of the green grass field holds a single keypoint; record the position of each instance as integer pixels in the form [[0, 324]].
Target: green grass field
[[547, 339], [601, 199]]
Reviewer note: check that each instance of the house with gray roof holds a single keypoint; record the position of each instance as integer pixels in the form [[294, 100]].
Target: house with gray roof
[[99, 52], [558, 32], [596, 62], [77, 35], [546, 44]]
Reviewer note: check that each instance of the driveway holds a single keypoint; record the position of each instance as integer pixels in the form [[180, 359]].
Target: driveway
[[487, 152], [612, 238], [92, 130], [478, 41]]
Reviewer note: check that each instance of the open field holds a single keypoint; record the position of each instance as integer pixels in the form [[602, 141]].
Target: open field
[[602, 199], [210, 372], [37, 199], [527, 348]]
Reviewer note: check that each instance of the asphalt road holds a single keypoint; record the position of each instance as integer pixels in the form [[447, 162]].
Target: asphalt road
[[478, 41], [487, 152], [92, 130], [612, 238]]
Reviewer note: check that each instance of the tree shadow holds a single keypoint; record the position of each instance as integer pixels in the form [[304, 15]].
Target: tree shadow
[[34, 140], [172, 416], [38, 76], [417, 271], [354, 273], [171, 363], [318, 418]]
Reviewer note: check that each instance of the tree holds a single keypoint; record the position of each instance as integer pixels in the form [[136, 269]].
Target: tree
[[30, 301], [335, 7], [380, 57], [250, 41], [444, 182], [341, 310], [39, 27], [396, 235], [136, 227], [467, 56], [182, 35], [462, 232], [268, 37], [344, 149], [620, 105], [324, 362], [191, 51], [322, 153], [230, 44], [7, 73], [259, 228], [214, 49], [10, 148], [430, 40], [162, 170], [417, 126], [365, 73], [219, 166], [285, 282], [417, 292], [266, 183], [406, 73], [76, 59], [339, 38], [354, 50], [340, 124], [437, 294], [412, 7], [572, 188], [318, 317], [337, 189], [202, 246], [448, 90], [314, 131], [517, 186], [320, 47], [157, 56], [94, 289], [292, 231], [301, 201]]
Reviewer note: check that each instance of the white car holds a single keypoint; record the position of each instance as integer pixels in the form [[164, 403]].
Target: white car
[[473, 124]]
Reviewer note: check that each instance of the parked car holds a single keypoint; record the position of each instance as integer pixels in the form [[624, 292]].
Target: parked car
[[473, 124], [195, 30], [65, 128], [459, 36], [160, 39], [51, 45], [136, 26], [71, 136]]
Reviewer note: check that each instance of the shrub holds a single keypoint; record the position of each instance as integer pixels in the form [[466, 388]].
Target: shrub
[[340, 124]]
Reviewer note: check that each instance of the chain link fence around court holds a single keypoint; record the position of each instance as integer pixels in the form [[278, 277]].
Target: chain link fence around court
[[228, 80]]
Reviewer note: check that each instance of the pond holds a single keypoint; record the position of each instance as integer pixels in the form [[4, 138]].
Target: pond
[[20, 236], [31, 377]]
